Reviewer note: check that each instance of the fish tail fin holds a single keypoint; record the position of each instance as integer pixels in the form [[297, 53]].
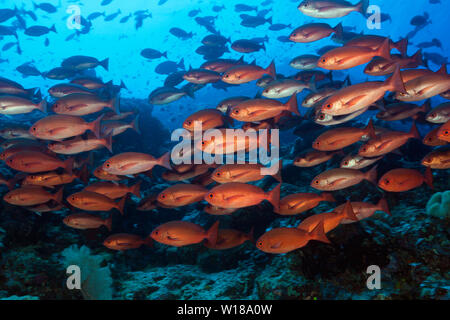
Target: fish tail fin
[[105, 64], [395, 82], [83, 174], [68, 165], [426, 106], [384, 50], [270, 70], [95, 126], [121, 204], [370, 130], [327, 196], [402, 46], [136, 189], [318, 233], [292, 104], [383, 206], [414, 133], [277, 175], [135, 125], [164, 161], [164, 54], [189, 92], [107, 142], [428, 177], [114, 104], [11, 183], [42, 106], [442, 69], [269, 20], [211, 234], [108, 223], [417, 58], [250, 235], [348, 213], [148, 242], [339, 30], [273, 196], [371, 175], [122, 85], [53, 28], [362, 7], [58, 196], [181, 64]]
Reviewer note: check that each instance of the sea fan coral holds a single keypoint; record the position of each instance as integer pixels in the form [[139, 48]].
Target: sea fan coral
[[96, 281]]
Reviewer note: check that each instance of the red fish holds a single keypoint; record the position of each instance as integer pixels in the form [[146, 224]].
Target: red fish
[[125, 241], [240, 195], [283, 240], [33, 162], [85, 221], [400, 180], [230, 238], [183, 233], [337, 179], [300, 202]]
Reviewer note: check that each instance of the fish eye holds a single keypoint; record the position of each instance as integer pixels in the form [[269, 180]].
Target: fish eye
[[189, 123], [433, 115], [260, 243], [10, 160], [156, 232], [345, 163], [73, 198], [107, 165], [328, 106], [316, 182], [236, 111], [34, 128], [218, 174], [163, 196], [203, 143], [211, 196], [321, 117], [446, 132], [226, 76], [324, 60]]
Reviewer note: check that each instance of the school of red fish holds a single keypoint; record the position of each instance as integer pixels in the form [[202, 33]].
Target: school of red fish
[[43, 158]]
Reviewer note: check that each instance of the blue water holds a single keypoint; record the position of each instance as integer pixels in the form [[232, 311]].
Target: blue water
[[122, 43]]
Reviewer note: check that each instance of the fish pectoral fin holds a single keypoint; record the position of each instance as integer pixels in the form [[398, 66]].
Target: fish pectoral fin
[[128, 166], [77, 107], [355, 100], [256, 112], [172, 238], [335, 182], [180, 198], [424, 91], [56, 130], [239, 175], [30, 164], [381, 146], [276, 245], [233, 198]]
